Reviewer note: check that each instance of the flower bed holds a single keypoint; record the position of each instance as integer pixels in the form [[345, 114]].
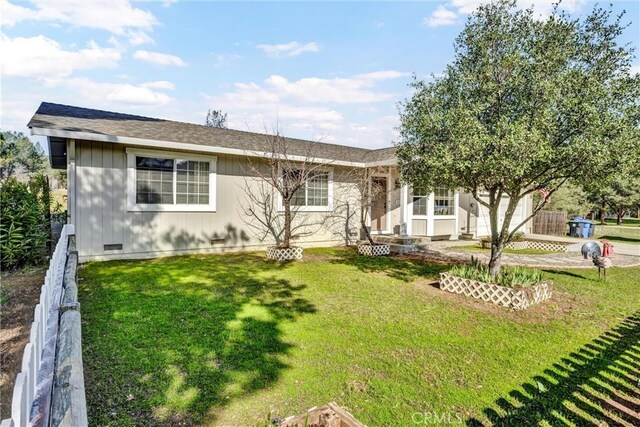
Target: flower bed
[[542, 245], [374, 250], [518, 297], [284, 254]]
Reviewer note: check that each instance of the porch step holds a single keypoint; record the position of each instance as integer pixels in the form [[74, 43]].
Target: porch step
[[401, 240], [401, 245]]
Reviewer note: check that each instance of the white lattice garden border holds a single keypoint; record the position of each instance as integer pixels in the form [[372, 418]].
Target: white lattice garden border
[[374, 250], [519, 297], [535, 244], [284, 254]]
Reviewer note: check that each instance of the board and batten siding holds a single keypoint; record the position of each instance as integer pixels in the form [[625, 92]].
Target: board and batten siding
[[102, 218]]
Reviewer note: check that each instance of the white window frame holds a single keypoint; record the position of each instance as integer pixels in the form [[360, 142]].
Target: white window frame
[[132, 206], [429, 208], [327, 208], [454, 200]]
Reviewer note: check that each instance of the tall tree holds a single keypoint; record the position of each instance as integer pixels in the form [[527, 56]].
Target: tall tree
[[216, 119], [618, 193], [19, 156], [526, 105], [569, 198]]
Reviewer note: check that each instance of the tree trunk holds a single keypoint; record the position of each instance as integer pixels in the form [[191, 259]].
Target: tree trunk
[[366, 231], [286, 240], [495, 262], [603, 212], [619, 215]]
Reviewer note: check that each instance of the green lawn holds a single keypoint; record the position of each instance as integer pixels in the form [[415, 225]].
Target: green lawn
[[627, 222], [232, 339], [479, 249]]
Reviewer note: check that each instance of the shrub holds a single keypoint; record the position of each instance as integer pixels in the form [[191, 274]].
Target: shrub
[[24, 225], [509, 276], [517, 236]]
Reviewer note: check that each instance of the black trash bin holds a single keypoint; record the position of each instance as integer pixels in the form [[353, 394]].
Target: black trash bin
[[575, 227]]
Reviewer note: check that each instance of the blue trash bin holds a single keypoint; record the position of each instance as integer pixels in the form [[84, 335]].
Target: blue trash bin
[[587, 228]]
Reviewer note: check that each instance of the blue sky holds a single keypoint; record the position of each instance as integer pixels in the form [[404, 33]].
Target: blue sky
[[330, 71]]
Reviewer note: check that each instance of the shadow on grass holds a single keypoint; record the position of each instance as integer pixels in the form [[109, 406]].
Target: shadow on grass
[[620, 239], [172, 341], [398, 267], [565, 273], [597, 385]]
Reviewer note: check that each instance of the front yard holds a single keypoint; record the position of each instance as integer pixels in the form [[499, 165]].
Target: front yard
[[235, 340]]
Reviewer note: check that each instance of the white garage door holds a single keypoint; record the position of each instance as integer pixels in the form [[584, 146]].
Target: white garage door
[[484, 225]]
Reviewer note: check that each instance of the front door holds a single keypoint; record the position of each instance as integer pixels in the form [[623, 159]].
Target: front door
[[379, 205]]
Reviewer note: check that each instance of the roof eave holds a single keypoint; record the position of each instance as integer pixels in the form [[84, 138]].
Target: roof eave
[[182, 146]]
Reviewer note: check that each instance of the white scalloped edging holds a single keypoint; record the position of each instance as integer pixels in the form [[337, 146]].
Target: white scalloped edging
[[535, 244], [284, 254], [519, 298], [374, 250]]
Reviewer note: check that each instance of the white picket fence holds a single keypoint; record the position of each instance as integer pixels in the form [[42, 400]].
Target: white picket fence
[[35, 380]]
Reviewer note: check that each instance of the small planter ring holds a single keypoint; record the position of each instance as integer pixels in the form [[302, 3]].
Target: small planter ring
[[284, 254], [374, 250]]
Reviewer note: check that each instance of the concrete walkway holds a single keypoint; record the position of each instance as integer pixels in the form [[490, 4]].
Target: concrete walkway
[[445, 250]]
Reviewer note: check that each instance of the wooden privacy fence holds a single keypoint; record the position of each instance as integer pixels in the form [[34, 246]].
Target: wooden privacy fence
[[550, 223], [54, 346]]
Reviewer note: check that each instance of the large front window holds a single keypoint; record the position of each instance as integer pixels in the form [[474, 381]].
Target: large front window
[[170, 182], [443, 202], [420, 197], [314, 192]]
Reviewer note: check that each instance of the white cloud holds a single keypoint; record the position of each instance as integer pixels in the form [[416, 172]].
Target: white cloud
[[157, 58], [635, 69], [288, 49], [440, 17], [221, 60], [138, 37], [378, 24], [115, 16], [160, 84], [42, 57], [314, 106], [277, 89], [451, 12], [92, 92]]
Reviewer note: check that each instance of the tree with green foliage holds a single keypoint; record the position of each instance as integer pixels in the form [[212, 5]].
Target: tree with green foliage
[[20, 156], [216, 119], [25, 229], [526, 106], [619, 192], [569, 198]]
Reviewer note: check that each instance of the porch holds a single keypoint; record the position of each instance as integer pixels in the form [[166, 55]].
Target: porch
[[404, 212]]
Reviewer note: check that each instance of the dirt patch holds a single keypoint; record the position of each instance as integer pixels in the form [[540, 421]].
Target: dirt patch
[[19, 293], [560, 304]]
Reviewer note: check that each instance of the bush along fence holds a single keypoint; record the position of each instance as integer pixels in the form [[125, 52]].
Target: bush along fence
[[49, 391]]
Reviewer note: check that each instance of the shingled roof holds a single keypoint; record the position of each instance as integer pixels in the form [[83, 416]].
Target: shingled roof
[[70, 119]]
